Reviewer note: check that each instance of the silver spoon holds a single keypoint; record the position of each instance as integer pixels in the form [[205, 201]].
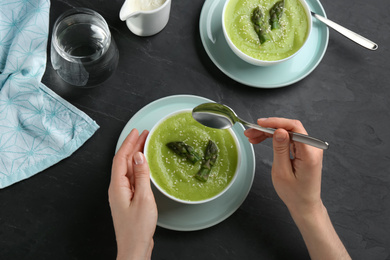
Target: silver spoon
[[222, 117], [347, 33]]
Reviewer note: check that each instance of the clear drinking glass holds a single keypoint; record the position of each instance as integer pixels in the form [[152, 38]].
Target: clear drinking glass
[[82, 50]]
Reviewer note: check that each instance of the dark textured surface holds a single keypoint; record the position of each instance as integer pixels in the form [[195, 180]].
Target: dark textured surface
[[63, 212]]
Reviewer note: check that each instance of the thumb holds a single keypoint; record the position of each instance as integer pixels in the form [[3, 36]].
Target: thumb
[[141, 173], [281, 145]]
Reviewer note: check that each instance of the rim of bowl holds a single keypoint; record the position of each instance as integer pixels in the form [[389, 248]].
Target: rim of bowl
[[257, 62], [235, 138]]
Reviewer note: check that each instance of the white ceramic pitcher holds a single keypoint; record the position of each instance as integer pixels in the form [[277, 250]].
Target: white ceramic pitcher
[[143, 18]]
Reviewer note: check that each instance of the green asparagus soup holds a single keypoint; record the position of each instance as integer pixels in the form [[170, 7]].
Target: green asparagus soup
[[175, 174], [281, 43]]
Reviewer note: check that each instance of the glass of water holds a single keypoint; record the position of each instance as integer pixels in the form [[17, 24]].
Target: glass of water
[[82, 50]]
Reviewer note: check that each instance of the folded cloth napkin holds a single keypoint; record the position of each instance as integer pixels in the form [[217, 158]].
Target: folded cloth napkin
[[37, 127]]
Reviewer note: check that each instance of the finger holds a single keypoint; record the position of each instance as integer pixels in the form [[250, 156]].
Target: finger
[[120, 190], [141, 174], [253, 133], [307, 158], [256, 136], [302, 150], [288, 124], [281, 146], [138, 147], [257, 140], [128, 144], [120, 195], [119, 164]]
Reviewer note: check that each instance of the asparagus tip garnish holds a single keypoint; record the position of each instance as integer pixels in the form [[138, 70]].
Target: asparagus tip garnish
[[276, 13], [184, 150], [259, 25], [210, 157]]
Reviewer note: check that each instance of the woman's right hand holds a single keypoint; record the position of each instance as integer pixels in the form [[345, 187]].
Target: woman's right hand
[[296, 176], [297, 180]]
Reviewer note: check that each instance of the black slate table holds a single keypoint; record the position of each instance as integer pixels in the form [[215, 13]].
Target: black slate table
[[63, 212]]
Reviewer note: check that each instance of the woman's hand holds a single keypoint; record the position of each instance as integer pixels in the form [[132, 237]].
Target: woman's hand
[[296, 176], [297, 180], [132, 203]]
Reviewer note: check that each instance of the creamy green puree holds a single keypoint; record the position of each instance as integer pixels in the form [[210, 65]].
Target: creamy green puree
[[283, 42], [174, 174]]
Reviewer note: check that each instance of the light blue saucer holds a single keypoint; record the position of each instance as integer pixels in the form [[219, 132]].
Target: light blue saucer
[[287, 73], [185, 217]]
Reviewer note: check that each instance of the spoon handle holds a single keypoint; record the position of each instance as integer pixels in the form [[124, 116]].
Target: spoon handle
[[347, 33], [294, 136]]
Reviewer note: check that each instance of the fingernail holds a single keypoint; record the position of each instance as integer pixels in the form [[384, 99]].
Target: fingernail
[[262, 119], [280, 136], [138, 158]]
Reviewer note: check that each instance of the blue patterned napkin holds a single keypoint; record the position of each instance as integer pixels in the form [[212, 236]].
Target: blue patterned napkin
[[37, 127]]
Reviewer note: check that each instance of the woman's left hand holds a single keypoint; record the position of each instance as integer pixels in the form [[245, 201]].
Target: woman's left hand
[[133, 207]]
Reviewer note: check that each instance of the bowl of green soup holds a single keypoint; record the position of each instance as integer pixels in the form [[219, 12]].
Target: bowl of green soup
[[191, 163], [266, 32]]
